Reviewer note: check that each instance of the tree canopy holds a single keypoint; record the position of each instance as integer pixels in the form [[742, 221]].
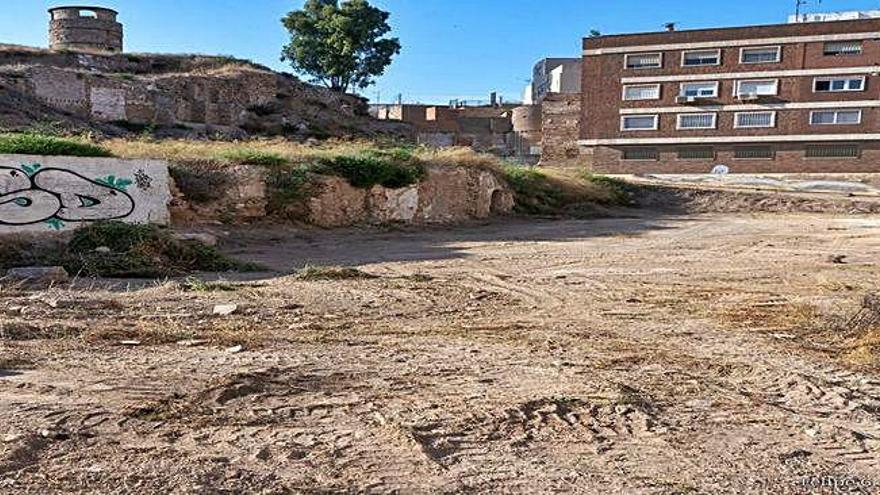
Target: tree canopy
[[341, 45]]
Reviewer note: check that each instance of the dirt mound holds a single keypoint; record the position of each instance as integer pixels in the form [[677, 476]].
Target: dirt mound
[[697, 200]]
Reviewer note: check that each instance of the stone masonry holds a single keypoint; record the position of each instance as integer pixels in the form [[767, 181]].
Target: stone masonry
[[85, 29]]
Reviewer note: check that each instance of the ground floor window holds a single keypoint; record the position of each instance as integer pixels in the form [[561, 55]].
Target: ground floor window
[[641, 154], [833, 151], [701, 153], [754, 153]]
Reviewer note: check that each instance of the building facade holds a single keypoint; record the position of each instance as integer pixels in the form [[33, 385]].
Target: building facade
[[781, 98], [555, 75]]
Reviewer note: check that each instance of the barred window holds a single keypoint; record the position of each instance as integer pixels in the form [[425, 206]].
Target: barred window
[[641, 154], [754, 119], [644, 92], [697, 121], [644, 61], [700, 90], [843, 48], [701, 57], [833, 151], [703, 153], [754, 152], [771, 54]]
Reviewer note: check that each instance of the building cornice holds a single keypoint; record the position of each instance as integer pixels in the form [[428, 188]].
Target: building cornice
[[729, 139], [787, 40]]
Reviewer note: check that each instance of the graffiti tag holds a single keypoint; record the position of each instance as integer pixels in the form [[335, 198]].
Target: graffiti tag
[[33, 194]]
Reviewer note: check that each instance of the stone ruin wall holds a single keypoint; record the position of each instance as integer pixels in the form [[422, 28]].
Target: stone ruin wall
[[561, 130], [219, 100]]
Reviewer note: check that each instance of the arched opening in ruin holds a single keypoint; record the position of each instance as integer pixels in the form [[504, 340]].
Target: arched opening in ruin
[[498, 205]]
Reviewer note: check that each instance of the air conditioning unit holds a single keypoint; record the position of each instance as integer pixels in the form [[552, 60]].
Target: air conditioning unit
[[749, 96], [686, 99]]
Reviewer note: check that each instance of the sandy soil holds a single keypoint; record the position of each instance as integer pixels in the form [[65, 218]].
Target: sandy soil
[[630, 355]]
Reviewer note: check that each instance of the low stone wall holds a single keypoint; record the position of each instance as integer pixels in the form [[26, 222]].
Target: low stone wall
[[446, 195], [40, 194]]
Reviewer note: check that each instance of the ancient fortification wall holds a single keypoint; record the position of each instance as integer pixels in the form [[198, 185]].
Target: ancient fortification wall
[[40, 194], [561, 127], [85, 28]]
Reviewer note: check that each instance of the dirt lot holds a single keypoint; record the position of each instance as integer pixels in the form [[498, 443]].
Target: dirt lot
[[652, 354]]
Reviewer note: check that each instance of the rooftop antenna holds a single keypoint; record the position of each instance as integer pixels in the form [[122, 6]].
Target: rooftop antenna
[[670, 26], [797, 11]]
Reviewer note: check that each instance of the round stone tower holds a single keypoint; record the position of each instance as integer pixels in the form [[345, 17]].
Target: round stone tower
[[85, 28]]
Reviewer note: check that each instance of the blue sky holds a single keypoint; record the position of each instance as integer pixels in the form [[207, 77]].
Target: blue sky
[[451, 48]]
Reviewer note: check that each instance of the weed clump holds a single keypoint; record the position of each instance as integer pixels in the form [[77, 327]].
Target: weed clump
[[120, 250], [394, 168], [38, 144], [315, 273], [247, 156]]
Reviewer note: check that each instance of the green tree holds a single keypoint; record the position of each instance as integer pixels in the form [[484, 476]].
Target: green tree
[[341, 45]]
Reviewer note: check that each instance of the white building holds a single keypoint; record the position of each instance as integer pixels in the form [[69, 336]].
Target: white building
[[834, 16], [556, 75]]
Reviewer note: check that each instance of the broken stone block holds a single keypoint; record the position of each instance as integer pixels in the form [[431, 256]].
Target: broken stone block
[[38, 276]]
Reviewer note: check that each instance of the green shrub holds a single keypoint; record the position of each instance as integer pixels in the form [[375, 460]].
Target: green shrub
[[394, 168], [37, 144], [619, 191], [288, 185], [143, 250], [245, 156], [535, 193]]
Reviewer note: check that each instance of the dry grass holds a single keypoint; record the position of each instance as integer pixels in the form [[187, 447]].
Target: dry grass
[[315, 273], [784, 317]]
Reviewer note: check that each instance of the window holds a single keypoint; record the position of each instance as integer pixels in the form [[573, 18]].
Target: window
[[745, 120], [700, 89], [843, 48], [757, 87], [639, 122], [836, 117], [701, 57], [835, 84], [644, 61], [764, 55], [833, 151], [706, 153], [754, 153], [641, 154], [697, 121], [645, 92]]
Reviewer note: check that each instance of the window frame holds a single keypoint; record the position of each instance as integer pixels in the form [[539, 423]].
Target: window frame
[[655, 116], [838, 78], [655, 159], [657, 85], [711, 149], [778, 49], [836, 116], [717, 85], [737, 125], [857, 147], [738, 83], [628, 55], [769, 158], [691, 114], [717, 57], [826, 54]]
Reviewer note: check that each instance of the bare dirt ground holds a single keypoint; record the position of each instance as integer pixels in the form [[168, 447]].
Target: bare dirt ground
[[654, 354]]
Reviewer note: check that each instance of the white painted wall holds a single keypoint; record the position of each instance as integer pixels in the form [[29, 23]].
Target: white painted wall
[[40, 194]]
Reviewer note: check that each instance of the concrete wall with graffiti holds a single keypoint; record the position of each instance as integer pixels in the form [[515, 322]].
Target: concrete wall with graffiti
[[51, 194]]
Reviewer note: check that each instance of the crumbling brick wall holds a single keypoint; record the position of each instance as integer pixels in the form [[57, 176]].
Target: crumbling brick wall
[[561, 128]]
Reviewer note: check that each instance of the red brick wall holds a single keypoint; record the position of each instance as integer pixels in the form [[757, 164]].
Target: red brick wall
[[789, 159]]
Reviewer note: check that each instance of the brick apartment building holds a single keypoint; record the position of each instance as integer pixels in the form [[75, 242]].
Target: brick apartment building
[[780, 98]]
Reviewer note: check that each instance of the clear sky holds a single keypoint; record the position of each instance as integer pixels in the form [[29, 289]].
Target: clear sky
[[451, 48]]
